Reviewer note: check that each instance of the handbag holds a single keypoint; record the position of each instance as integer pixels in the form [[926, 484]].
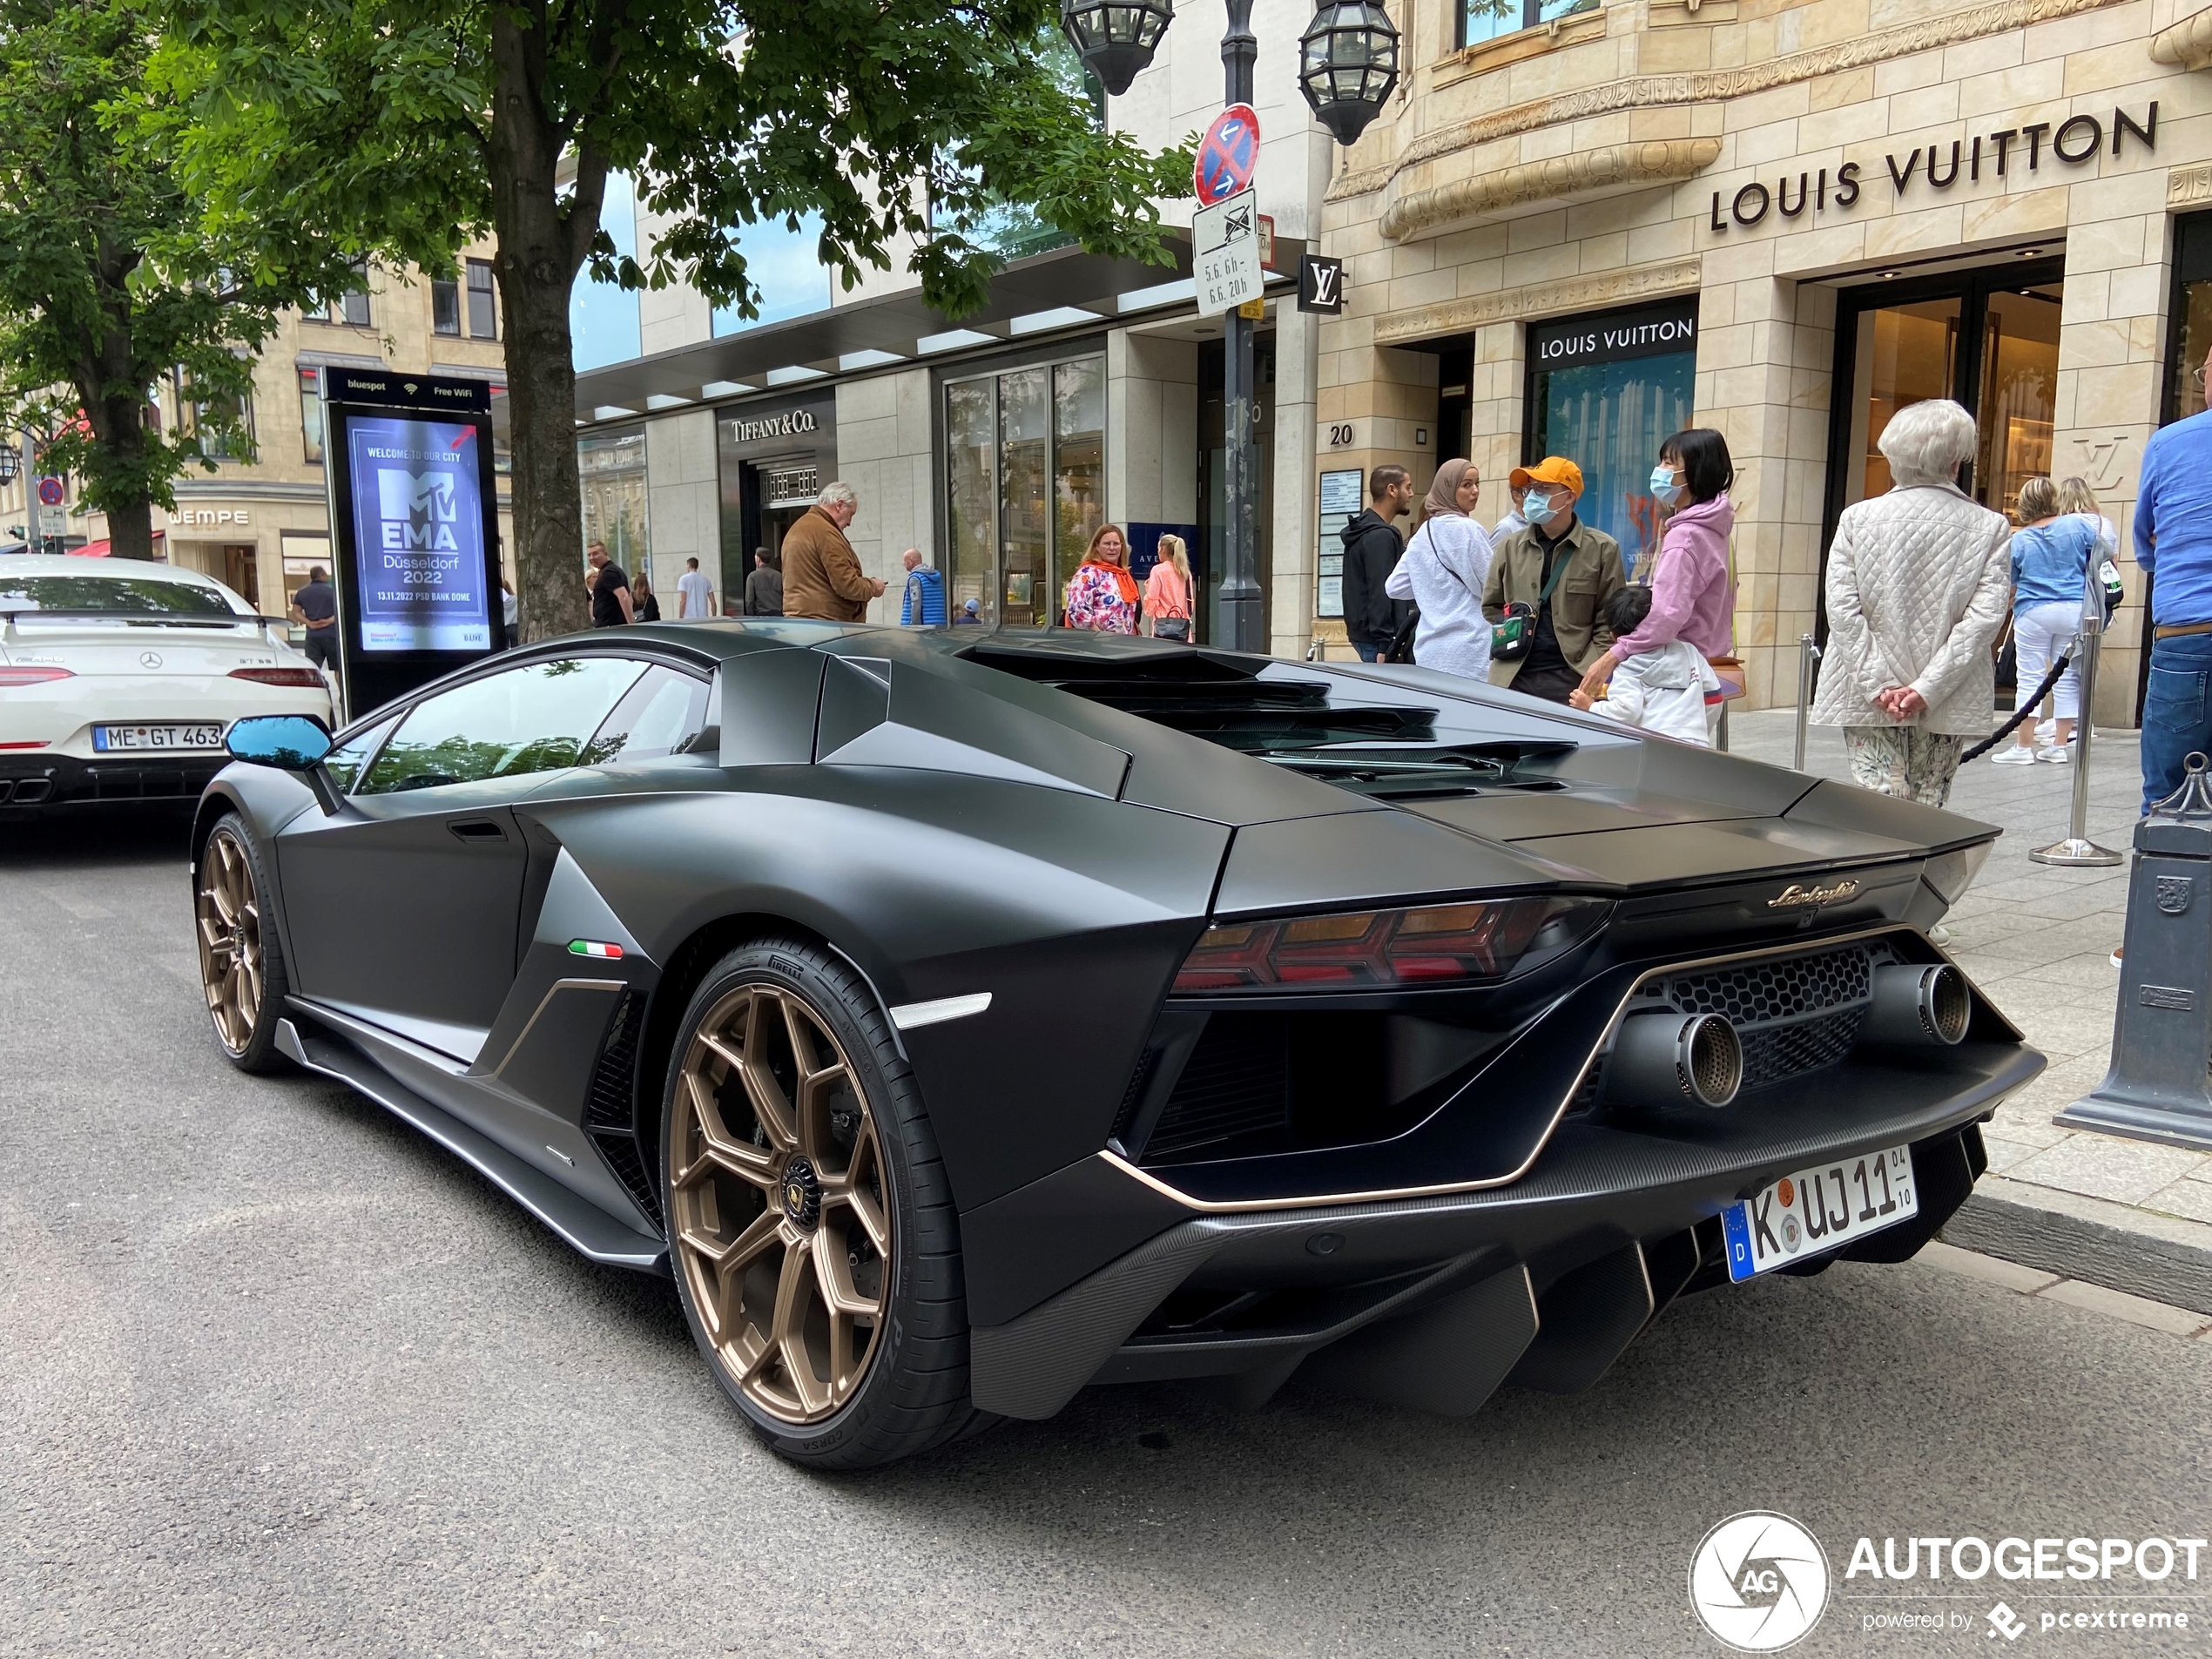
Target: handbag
[[1401, 649], [1172, 628], [1512, 635]]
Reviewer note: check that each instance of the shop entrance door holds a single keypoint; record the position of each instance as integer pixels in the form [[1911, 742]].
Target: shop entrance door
[[1988, 338], [241, 573]]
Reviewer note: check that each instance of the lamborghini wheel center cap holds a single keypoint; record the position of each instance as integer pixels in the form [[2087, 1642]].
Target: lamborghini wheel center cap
[[802, 1191]]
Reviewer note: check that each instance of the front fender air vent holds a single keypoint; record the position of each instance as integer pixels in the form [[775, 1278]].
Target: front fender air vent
[[610, 1114]]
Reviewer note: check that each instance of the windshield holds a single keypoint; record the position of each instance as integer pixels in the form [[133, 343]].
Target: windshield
[[97, 593]]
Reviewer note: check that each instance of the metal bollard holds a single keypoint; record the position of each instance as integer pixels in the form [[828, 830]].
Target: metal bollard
[[2077, 850], [1807, 654], [2156, 1090]]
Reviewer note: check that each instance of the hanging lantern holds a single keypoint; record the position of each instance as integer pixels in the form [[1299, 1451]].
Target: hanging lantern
[[1347, 64], [1116, 38], [10, 463]]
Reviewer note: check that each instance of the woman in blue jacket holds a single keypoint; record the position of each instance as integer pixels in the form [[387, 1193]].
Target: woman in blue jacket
[[2050, 558]]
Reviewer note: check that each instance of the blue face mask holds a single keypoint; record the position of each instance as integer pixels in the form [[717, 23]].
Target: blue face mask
[[1536, 507], [1663, 485]]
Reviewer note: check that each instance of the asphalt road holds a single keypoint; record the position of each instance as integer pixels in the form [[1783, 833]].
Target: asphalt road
[[276, 1376]]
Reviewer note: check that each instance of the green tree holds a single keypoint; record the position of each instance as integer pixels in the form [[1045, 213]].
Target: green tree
[[100, 298], [406, 127]]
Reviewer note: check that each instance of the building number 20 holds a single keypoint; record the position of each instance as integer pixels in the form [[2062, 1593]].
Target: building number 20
[[1340, 435]]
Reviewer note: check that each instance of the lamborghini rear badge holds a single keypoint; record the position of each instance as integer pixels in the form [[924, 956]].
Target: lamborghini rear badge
[[1815, 895]]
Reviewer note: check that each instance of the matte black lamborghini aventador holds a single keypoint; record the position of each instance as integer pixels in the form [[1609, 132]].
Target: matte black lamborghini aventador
[[965, 1018]]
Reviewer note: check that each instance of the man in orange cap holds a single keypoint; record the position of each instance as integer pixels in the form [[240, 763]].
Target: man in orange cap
[[1561, 571]]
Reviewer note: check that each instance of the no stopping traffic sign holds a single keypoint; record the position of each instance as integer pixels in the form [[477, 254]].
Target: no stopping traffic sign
[[1228, 155]]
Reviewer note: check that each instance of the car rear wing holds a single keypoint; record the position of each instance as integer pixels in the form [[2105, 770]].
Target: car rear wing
[[10, 617]]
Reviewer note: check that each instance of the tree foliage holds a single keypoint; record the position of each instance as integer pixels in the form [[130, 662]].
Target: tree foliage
[[101, 299], [404, 127]]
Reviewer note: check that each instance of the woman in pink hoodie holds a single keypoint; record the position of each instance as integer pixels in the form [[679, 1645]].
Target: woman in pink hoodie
[[1692, 598]]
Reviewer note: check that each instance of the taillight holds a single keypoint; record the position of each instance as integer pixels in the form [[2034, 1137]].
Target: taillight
[[32, 676], [1366, 950], [282, 677]]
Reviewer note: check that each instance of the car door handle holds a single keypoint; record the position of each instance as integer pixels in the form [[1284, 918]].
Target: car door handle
[[477, 829]]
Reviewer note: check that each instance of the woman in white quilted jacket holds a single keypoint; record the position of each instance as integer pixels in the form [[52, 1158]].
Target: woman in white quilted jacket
[[1918, 580]]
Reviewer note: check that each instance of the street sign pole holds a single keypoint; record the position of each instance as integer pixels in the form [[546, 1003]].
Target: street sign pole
[[50, 493], [1243, 614]]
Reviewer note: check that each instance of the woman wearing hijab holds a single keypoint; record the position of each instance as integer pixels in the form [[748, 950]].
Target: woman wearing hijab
[[1102, 596], [1442, 573]]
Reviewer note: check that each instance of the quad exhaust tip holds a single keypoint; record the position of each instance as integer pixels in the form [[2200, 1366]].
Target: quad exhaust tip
[[1664, 1058], [1919, 1003]]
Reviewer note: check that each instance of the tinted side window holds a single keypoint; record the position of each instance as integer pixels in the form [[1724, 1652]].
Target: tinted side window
[[663, 713], [536, 718], [344, 763]]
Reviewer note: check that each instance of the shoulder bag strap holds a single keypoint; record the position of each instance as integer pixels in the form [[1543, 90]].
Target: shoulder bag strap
[[1559, 570]]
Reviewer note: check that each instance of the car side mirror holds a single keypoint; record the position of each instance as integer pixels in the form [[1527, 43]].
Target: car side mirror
[[294, 743], [288, 742]]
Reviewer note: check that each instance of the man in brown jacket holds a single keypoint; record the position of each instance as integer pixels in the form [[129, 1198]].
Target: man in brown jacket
[[1568, 634], [822, 576]]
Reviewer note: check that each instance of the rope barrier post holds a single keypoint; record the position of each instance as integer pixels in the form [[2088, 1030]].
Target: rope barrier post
[[2157, 1088], [2077, 851], [1807, 654]]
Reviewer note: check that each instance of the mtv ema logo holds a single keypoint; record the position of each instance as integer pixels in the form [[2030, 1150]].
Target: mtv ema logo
[[417, 509]]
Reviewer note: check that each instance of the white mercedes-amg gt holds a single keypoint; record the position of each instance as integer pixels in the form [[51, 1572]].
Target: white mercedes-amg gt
[[118, 678]]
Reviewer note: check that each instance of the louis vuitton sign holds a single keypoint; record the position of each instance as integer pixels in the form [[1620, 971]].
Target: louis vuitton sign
[[2012, 152]]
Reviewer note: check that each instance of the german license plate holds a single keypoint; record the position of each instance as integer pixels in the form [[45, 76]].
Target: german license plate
[[108, 738], [1817, 1209]]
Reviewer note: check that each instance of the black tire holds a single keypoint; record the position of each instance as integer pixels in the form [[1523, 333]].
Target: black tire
[[247, 1043], [913, 1394]]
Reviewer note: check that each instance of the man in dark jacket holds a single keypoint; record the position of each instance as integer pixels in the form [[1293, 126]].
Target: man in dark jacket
[[1372, 547], [764, 585]]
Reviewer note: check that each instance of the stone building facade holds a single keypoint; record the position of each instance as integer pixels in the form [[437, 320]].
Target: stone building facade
[[1785, 219], [258, 522], [1087, 391]]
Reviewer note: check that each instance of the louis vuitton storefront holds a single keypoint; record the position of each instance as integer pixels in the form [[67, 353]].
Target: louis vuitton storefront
[[1788, 225]]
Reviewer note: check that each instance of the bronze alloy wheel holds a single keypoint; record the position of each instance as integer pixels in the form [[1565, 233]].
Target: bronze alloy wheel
[[229, 913], [780, 1218]]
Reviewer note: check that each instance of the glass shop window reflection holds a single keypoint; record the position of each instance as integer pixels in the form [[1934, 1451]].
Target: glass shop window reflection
[[1025, 486]]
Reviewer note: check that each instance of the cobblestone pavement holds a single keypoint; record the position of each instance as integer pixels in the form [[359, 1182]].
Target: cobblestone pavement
[[2039, 940]]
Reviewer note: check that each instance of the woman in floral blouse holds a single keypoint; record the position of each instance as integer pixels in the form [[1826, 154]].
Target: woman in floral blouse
[[1102, 596]]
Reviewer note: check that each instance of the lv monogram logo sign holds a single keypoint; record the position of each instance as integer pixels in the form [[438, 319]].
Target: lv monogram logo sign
[[1321, 285]]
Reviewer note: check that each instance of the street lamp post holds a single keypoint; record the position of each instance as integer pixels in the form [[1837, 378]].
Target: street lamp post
[[1244, 614], [1348, 66]]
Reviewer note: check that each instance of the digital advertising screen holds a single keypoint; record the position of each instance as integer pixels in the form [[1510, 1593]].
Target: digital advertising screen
[[420, 570]]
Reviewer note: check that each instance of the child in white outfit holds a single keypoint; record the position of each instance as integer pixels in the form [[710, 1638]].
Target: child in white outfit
[[1663, 691]]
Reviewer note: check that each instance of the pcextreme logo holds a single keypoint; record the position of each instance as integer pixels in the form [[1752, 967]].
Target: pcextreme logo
[[1759, 1581]]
